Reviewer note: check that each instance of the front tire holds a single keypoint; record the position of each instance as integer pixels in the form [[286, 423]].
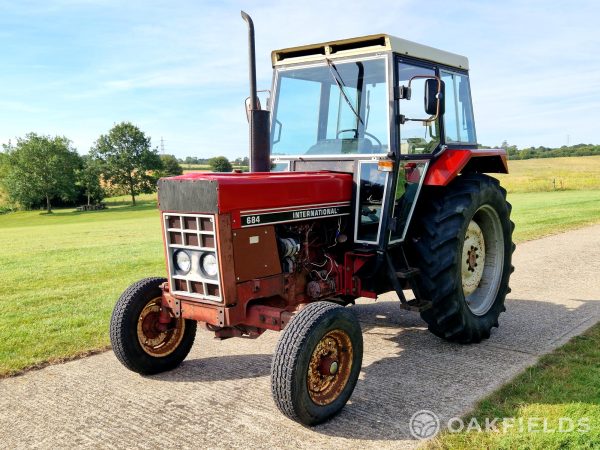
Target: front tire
[[316, 363], [461, 240], [137, 342]]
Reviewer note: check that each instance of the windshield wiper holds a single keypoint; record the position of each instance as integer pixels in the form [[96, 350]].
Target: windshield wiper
[[341, 85]]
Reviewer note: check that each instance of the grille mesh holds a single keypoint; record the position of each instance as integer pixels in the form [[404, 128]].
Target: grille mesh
[[194, 233]]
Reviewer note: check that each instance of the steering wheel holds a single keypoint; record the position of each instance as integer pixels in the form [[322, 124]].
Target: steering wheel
[[366, 133]]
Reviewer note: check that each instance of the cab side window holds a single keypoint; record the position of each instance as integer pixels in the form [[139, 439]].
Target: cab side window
[[416, 137], [459, 126]]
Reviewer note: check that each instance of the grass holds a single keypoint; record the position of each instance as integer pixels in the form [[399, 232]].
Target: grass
[[564, 383], [192, 167], [62, 274], [550, 174], [539, 214], [189, 168]]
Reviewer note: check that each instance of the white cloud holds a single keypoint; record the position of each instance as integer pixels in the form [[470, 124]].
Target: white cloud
[[181, 72]]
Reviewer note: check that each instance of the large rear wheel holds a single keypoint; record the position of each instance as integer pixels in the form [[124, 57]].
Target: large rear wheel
[[461, 239]]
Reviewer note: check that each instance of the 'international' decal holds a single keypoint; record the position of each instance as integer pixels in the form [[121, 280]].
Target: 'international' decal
[[254, 219]]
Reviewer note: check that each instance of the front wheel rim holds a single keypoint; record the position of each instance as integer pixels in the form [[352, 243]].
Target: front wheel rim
[[154, 341], [482, 260], [330, 367]]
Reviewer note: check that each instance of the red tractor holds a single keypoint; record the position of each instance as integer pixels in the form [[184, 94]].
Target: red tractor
[[365, 178]]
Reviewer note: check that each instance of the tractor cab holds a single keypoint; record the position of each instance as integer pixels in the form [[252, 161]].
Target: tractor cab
[[379, 107]]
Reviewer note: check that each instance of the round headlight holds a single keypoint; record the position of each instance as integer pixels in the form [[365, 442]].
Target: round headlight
[[209, 265], [182, 260]]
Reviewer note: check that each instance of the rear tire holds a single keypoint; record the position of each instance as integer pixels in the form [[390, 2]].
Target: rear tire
[[136, 341], [316, 363], [461, 240]]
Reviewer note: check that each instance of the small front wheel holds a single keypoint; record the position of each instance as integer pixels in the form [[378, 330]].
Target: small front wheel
[[316, 363], [137, 337]]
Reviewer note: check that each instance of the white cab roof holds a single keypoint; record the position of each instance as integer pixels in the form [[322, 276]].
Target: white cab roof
[[376, 43]]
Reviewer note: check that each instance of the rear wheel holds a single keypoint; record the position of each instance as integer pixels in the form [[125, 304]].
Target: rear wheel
[[316, 363], [138, 339], [461, 239]]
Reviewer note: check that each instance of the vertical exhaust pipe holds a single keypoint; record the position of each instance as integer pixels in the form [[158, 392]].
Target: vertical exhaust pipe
[[260, 133]]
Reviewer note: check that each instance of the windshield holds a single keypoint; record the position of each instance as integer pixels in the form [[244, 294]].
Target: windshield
[[331, 109]]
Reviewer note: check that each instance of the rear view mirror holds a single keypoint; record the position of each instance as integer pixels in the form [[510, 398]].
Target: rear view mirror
[[434, 97]]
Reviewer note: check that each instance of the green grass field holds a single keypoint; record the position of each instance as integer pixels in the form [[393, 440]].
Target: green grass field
[[539, 214], [563, 384], [195, 167], [187, 168], [550, 174], [62, 274]]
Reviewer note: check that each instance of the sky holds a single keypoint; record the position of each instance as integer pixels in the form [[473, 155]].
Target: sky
[[179, 69]]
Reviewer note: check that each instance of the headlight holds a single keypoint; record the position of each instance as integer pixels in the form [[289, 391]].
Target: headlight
[[182, 261], [209, 265]]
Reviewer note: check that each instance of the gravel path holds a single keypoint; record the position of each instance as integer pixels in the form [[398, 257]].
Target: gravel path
[[220, 396]]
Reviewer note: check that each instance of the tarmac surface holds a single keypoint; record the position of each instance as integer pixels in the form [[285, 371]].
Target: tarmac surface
[[220, 396]]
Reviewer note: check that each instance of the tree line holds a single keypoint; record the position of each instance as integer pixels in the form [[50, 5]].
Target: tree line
[[44, 171], [550, 152], [192, 160]]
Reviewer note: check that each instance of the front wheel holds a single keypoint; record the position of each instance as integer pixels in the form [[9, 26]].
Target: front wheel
[[316, 363], [139, 341], [461, 240]]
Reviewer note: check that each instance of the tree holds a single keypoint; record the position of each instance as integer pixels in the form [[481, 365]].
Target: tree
[[220, 164], [171, 166], [88, 179], [127, 159], [40, 168], [239, 161]]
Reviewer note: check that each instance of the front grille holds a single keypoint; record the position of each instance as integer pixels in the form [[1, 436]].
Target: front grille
[[194, 234]]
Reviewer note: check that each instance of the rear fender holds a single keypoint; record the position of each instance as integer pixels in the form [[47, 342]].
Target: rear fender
[[452, 162]]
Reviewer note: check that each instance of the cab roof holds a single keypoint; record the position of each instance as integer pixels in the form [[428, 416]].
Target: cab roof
[[375, 43]]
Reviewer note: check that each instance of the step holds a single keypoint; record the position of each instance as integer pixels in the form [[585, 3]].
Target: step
[[416, 305], [408, 273]]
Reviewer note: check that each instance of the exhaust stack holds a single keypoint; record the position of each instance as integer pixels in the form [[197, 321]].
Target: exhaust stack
[[259, 119]]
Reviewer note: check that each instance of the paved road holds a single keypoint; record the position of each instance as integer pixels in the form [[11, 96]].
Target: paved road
[[220, 396]]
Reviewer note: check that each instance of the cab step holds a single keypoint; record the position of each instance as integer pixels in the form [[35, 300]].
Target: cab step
[[416, 305], [408, 275]]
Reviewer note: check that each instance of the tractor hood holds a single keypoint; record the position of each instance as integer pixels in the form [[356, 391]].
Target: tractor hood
[[222, 193]]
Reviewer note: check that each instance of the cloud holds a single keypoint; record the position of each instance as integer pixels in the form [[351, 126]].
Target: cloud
[[75, 67]]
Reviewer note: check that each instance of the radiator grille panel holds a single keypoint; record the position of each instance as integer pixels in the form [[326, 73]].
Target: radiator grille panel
[[194, 234]]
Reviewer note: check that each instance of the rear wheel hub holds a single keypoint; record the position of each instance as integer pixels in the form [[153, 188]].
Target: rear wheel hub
[[482, 260]]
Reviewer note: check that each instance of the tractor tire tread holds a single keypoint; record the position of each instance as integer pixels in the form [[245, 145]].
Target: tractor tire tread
[[120, 342], [438, 221]]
